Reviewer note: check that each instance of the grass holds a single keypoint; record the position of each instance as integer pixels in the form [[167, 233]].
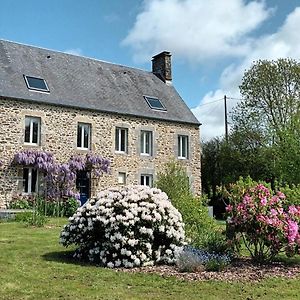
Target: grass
[[34, 266]]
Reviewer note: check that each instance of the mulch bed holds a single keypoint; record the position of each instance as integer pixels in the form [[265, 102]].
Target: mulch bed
[[240, 270]]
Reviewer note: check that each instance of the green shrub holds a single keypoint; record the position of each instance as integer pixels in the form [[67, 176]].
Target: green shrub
[[292, 194], [34, 218], [215, 241], [175, 183], [216, 265], [23, 217]]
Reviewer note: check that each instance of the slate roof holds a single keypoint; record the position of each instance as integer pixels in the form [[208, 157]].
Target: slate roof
[[86, 83]]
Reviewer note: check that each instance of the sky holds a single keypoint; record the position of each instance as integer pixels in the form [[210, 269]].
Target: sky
[[212, 42]]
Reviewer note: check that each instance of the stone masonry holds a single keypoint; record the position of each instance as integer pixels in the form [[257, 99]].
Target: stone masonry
[[59, 132]]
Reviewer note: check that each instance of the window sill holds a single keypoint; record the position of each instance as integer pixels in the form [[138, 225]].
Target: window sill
[[182, 158], [121, 152], [31, 145], [83, 149]]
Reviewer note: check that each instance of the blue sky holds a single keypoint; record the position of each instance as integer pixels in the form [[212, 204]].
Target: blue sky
[[212, 42]]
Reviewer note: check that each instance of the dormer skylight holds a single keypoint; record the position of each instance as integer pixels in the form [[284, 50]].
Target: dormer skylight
[[154, 103], [36, 84]]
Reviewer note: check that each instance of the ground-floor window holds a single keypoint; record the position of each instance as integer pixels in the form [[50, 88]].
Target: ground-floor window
[[147, 179], [30, 180]]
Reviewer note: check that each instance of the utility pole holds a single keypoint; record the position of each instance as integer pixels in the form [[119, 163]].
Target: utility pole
[[226, 123]]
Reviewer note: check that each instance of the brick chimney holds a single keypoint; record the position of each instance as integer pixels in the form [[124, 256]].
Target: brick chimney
[[161, 66]]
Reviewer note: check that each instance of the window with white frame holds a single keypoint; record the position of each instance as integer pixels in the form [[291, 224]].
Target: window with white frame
[[183, 146], [83, 135], [121, 178], [121, 138], [30, 180], [147, 179], [32, 130], [146, 142]]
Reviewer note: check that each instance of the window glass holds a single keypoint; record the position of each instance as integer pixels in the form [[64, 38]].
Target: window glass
[[121, 139], [32, 130], [183, 146], [146, 142], [35, 83], [154, 103], [147, 180], [30, 179], [83, 135], [122, 178]]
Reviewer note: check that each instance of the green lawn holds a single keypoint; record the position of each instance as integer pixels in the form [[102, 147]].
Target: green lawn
[[34, 266]]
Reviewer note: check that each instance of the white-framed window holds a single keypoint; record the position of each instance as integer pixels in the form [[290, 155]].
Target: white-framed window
[[147, 179], [121, 139], [32, 130], [83, 136], [30, 180], [121, 178], [146, 142], [183, 147]]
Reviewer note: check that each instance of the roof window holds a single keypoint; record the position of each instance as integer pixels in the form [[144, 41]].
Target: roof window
[[154, 103], [37, 84]]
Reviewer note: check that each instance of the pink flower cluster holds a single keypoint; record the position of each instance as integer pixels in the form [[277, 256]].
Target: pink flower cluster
[[264, 226]]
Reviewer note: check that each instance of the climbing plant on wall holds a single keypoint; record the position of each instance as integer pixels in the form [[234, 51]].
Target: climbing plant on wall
[[60, 178]]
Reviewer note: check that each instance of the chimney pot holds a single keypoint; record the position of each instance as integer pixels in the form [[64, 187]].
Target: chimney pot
[[161, 66]]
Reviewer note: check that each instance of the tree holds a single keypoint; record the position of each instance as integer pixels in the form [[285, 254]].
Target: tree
[[271, 93], [268, 116]]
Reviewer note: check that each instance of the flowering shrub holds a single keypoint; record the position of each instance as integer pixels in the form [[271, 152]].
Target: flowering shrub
[[60, 179], [126, 227], [260, 221], [191, 259]]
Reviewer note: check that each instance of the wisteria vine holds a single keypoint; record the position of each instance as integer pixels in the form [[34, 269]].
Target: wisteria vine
[[60, 178]]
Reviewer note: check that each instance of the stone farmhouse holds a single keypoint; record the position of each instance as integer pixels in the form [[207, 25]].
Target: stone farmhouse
[[67, 104]]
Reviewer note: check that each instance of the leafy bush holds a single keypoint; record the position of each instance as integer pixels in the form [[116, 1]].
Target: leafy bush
[[127, 226], [292, 194], [215, 241], [258, 219], [47, 207], [198, 224], [33, 218], [191, 259]]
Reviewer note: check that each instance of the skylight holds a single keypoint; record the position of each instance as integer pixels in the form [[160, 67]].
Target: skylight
[[154, 103], [37, 84]]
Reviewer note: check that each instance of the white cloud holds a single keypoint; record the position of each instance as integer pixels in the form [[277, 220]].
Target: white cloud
[[283, 43], [195, 29], [75, 51], [201, 31]]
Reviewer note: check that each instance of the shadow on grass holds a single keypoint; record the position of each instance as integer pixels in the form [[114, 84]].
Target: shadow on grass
[[65, 257]]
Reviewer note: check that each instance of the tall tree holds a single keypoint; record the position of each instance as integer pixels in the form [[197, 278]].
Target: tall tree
[[269, 112], [271, 93]]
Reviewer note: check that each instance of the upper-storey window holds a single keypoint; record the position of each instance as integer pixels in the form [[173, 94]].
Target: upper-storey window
[[183, 146], [121, 138], [83, 136], [37, 84], [154, 103], [32, 130], [146, 142]]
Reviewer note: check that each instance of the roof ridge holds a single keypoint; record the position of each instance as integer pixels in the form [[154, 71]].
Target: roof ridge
[[66, 53]]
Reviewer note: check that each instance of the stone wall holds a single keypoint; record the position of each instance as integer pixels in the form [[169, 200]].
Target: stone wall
[[59, 132]]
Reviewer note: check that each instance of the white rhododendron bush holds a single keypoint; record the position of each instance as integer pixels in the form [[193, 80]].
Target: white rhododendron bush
[[126, 227]]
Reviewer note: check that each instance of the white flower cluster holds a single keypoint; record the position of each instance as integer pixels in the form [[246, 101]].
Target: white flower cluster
[[126, 227]]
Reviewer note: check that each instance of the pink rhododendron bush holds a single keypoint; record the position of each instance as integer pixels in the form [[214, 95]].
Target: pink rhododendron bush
[[126, 227], [259, 220]]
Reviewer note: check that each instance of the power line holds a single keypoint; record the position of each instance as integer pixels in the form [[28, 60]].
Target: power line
[[221, 99]]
